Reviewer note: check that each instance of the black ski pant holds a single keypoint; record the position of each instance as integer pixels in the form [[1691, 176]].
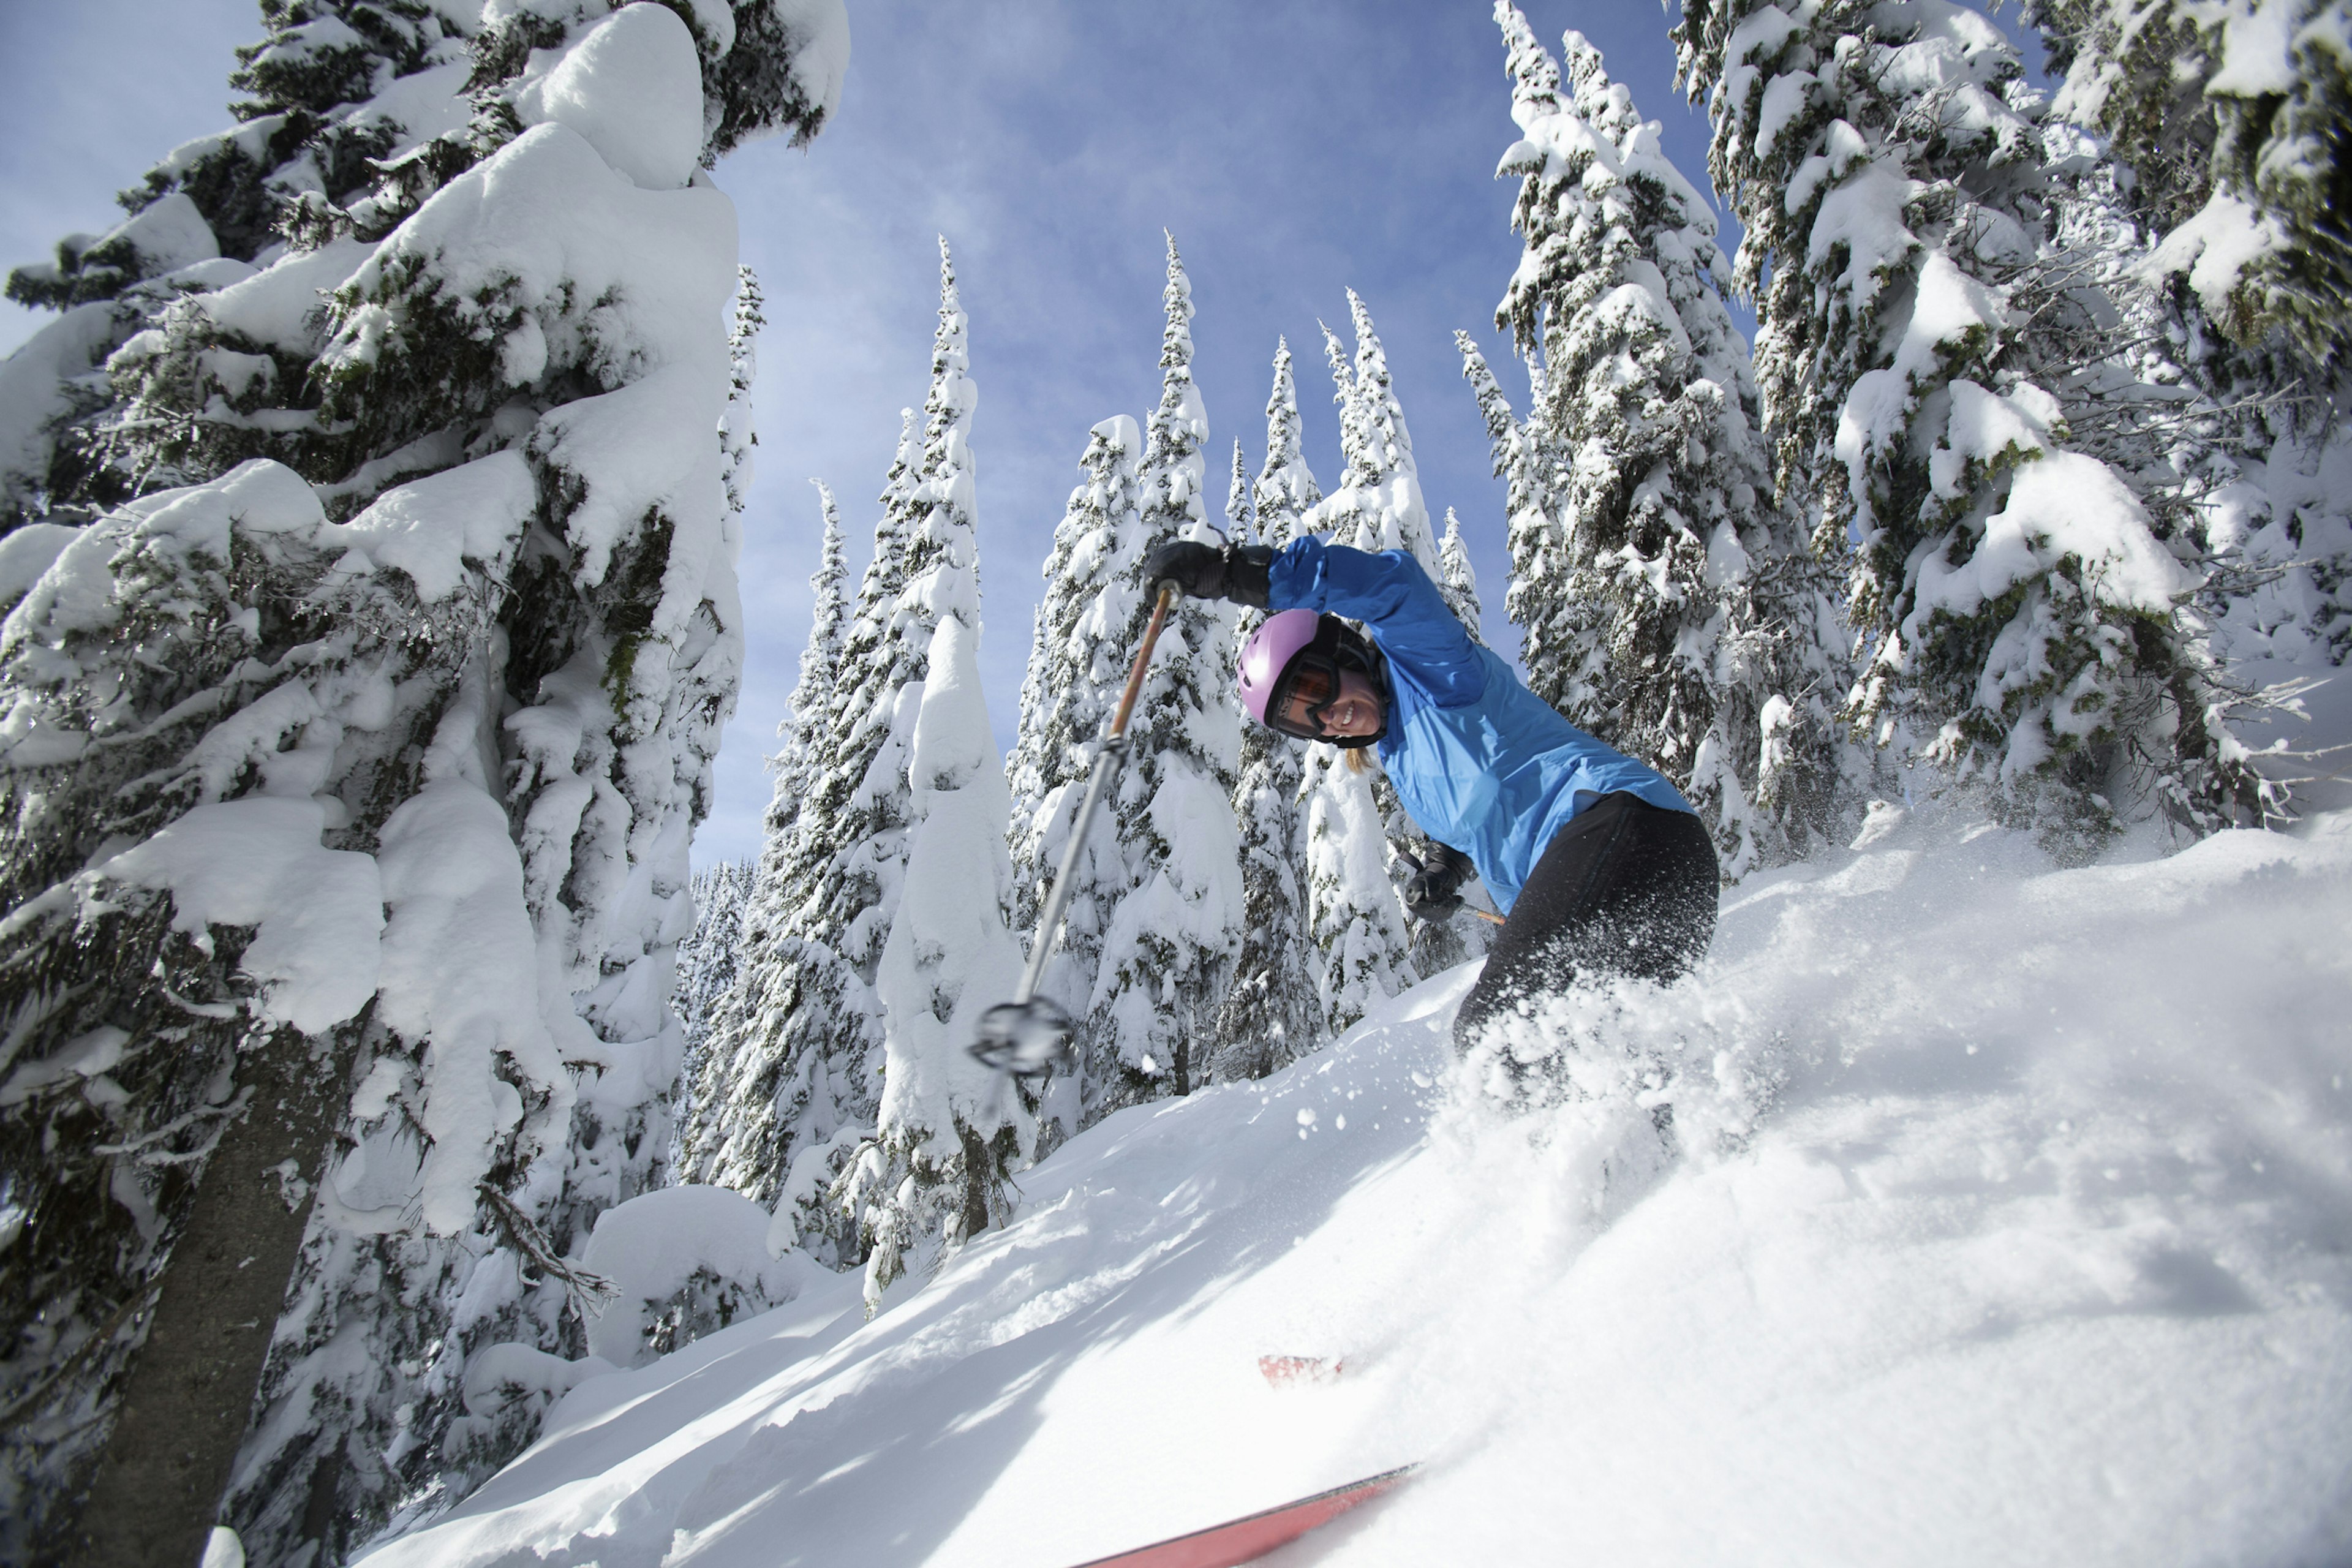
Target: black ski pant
[[1625, 889]]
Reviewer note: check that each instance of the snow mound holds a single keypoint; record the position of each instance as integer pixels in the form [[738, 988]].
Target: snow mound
[[819, 31], [633, 87], [281, 305], [317, 913], [662, 1243], [27, 553], [457, 935], [33, 382], [430, 528], [167, 234], [2002, 1220]]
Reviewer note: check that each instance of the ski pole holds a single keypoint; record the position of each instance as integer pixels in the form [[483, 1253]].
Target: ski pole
[[1108, 760], [1028, 1034]]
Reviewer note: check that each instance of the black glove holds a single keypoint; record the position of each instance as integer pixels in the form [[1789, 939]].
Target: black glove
[[1237, 572], [1432, 892]]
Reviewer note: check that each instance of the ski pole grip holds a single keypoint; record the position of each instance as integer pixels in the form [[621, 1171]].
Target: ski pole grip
[[1142, 660]]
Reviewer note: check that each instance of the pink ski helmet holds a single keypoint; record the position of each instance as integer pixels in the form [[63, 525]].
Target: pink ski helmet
[[1268, 653], [1291, 666]]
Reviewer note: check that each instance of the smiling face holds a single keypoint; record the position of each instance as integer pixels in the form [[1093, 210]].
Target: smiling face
[[1356, 711], [1316, 700]]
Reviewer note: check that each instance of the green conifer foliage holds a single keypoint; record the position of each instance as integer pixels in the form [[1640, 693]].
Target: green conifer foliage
[[2021, 604], [393, 549], [1663, 590]]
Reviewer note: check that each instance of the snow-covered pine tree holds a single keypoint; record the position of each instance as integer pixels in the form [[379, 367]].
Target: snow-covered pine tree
[[709, 957], [2283, 97], [804, 730], [737, 428], [2020, 604], [1623, 589], [1285, 490], [2136, 73], [707, 953], [732, 1134], [948, 1129], [1680, 625], [800, 1037], [1241, 518], [1067, 697], [2229, 120], [1269, 1017], [1549, 640], [2265, 471], [1167, 944], [335, 90], [357, 786], [2212, 115], [1459, 581], [1355, 916], [1377, 505]]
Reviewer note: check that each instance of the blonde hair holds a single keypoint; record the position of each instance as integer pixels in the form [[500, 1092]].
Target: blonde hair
[[1360, 759]]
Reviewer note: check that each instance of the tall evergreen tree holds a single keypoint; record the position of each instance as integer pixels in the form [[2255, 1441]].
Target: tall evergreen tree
[[2137, 74], [1533, 479], [735, 1134], [2021, 606], [1355, 917], [1285, 490], [2216, 146], [804, 730], [800, 1034], [1459, 580], [1066, 698], [1167, 944], [1269, 1016], [1680, 625], [1240, 515], [2229, 118], [738, 431], [948, 1129], [707, 953], [1379, 504], [709, 957], [311, 130], [1063, 709], [363, 765]]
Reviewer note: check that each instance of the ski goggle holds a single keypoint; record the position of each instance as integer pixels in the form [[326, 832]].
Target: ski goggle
[[1303, 698], [1305, 695]]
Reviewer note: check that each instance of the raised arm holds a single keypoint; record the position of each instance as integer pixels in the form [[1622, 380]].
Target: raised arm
[[1400, 606], [1387, 591]]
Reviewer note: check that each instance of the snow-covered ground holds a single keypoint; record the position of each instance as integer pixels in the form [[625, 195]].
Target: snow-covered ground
[[2011, 1221]]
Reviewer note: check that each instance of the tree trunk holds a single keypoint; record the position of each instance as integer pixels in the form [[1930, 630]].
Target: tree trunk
[[189, 1394]]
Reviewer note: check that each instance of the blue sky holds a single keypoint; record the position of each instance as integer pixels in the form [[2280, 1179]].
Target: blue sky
[[1294, 150]]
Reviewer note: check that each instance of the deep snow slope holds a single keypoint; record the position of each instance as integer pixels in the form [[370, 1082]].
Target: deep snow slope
[[2009, 1220]]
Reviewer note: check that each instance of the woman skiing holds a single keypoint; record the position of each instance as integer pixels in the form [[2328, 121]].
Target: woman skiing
[[1598, 861]]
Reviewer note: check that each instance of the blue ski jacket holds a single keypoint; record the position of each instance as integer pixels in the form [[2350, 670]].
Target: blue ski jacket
[[1482, 764]]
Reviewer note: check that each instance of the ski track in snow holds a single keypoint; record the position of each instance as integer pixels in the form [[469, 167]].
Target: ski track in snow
[[2036, 1252]]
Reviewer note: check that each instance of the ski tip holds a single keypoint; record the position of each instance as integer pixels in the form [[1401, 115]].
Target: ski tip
[[1245, 1539], [1284, 1371]]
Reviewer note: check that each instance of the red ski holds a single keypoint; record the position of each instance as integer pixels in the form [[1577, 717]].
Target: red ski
[[1250, 1538]]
